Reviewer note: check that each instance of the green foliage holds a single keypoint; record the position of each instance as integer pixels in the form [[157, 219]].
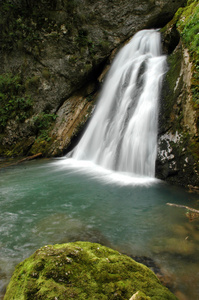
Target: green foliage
[[188, 26], [12, 104], [17, 149], [104, 45], [42, 124], [17, 31], [21, 23]]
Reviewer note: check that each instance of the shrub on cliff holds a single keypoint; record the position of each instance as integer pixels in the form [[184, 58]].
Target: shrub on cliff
[[12, 104], [188, 26]]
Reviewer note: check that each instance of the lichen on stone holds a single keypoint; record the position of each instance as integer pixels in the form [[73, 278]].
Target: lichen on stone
[[83, 270]]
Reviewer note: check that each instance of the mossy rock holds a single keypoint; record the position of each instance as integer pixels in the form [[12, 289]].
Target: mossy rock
[[83, 270], [19, 149]]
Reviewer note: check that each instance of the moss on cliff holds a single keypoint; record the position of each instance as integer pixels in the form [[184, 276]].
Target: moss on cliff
[[18, 149], [57, 46], [170, 92], [188, 26], [22, 22], [178, 154], [14, 104], [83, 270]]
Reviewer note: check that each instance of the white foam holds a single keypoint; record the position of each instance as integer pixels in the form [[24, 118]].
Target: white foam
[[97, 172]]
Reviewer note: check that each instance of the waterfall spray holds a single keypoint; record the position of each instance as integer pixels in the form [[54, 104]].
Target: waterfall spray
[[122, 134]]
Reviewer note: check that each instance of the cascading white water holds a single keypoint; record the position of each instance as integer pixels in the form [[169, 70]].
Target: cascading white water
[[122, 134]]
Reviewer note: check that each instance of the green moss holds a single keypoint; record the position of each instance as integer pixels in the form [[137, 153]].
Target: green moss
[[194, 147], [32, 82], [171, 92], [174, 68], [186, 21], [18, 149], [41, 146], [104, 45], [21, 24], [13, 103], [83, 270], [188, 26], [46, 73], [41, 127], [42, 124]]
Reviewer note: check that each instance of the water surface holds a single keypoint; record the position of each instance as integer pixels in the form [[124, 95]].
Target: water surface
[[56, 201]]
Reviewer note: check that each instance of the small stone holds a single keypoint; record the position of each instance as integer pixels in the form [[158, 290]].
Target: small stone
[[139, 296]]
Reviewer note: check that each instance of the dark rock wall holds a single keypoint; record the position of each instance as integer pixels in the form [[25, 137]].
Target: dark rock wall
[[177, 160], [61, 50], [56, 48]]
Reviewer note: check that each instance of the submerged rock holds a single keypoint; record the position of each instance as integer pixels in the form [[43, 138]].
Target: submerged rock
[[83, 270], [60, 228], [175, 246]]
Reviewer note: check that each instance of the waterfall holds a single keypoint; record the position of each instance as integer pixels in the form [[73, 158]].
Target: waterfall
[[122, 134]]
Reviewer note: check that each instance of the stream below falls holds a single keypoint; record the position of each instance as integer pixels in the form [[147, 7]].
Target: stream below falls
[[56, 201]]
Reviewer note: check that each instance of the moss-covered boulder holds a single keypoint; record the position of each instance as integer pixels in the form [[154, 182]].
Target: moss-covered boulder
[[83, 270]]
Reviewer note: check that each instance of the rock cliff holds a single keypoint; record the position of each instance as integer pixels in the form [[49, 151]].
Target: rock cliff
[[53, 57], [178, 155], [52, 53]]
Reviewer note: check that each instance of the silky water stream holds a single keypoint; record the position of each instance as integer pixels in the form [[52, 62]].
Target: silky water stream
[[122, 134], [105, 190]]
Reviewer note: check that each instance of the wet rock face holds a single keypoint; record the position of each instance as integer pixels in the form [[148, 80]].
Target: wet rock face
[[57, 47], [177, 158], [175, 162], [83, 270]]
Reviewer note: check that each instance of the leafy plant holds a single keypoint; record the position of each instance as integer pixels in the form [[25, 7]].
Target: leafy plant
[[188, 25], [42, 124], [21, 23], [12, 104]]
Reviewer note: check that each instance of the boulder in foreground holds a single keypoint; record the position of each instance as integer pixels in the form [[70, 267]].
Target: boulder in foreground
[[83, 270]]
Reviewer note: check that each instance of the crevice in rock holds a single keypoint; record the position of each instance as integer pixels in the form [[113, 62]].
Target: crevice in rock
[[75, 139], [170, 40], [91, 77]]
